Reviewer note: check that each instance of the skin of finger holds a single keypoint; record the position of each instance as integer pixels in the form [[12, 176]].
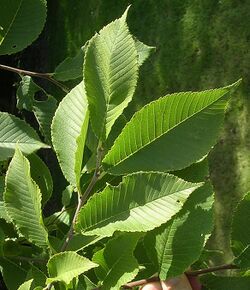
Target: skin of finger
[[178, 283], [194, 282]]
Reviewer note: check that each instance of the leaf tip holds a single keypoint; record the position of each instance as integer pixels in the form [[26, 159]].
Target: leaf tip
[[125, 14]]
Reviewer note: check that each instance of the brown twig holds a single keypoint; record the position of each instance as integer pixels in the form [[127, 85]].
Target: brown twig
[[211, 269], [46, 76]]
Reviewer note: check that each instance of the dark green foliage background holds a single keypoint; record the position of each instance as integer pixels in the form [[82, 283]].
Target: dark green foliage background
[[200, 44]]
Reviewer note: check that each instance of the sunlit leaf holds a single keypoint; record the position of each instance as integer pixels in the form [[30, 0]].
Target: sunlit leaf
[[178, 244], [66, 266], [22, 199], [14, 130], [183, 126], [69, 130], [110, 74], [140, 202]]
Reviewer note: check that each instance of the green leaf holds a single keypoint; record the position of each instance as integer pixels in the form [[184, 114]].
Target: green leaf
[[66, 195], [177, 244], [197, 172], [140, 202], [39, 278], [3, 212], [26, 285], [240, 236], [117, 261], [66, 266], [85, 283], [69, 130], [110, 74], [41, 175], [243, 260], [43, 110], [21, 23], [13, 131], [213, 282], [70, 68], [23, 201], [183, 125], [62, 217], [79, 242], [16, 269], [143, 51]]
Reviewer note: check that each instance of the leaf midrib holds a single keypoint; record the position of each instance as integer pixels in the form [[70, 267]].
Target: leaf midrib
[[109, 77], [166, 132]]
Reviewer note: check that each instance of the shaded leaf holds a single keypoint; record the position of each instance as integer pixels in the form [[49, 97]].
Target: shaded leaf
[[243, 260], [213, 282], [240, 236], [13, 131], [66, 195], [3, 212], [85, 283], [117, 261], [110, 74], [143, 51], [197, 172], [43, 110], [39, 278], [140, 202], [23, 201], [69, 130], [177, 244], [21, 23], [66, 266], [70, 68], [183, 125], [79, 242], [41, 175], [10, 269]]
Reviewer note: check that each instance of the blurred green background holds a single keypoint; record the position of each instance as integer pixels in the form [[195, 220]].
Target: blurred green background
[[200, 44]]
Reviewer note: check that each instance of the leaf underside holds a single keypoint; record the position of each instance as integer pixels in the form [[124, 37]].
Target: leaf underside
[[66, 266], [14, 130], [140, 202], [22, 199], [182, 126], [177, 244]]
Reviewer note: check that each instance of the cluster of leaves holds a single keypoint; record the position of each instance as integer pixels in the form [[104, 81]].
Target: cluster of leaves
[[138, 200]]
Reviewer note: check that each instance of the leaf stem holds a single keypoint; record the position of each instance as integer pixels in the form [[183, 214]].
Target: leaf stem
[[82, 198], [46, 76]]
